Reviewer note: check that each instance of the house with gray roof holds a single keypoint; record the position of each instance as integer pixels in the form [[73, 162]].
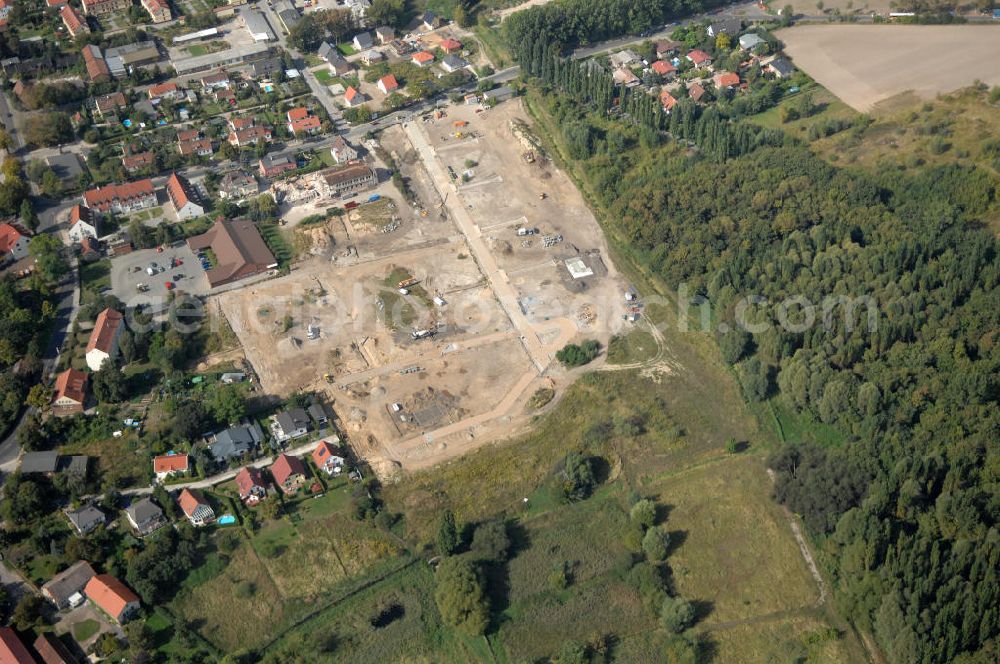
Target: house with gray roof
[[145, 516], [502, 93], [453, 63], [750, 41], [730, 26], [781, 68], [74, 465], [363, 40], [236, 441], [292, 423], [67, 583], [40, 463], [318, 412], [85, 519]]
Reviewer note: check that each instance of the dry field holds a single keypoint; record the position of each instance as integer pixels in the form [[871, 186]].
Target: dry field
[[509, 303], [868, 64]]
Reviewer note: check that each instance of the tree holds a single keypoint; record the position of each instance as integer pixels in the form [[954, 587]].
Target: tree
[[460, 595], [491, 541], [28, 215], [108, 383], [28, 612], [47, 252], [734, 344], [722, 42], [573, 355], [676, 614], [263, 208], [643, 513], [228, 404], [51, 184], [39, 397], [655, 545], [30, 435], [448, 539], [48, 129], [189, 419], [386, 12], [578, 479], [6, 142]]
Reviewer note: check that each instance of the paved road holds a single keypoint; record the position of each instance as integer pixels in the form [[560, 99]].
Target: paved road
[[209, 482], [7, 117], [66, 310]]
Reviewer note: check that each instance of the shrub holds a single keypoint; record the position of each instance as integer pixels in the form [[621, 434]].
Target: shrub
[[655, 545], [573, 355], [460, 596], [643, 513], [676, 614]]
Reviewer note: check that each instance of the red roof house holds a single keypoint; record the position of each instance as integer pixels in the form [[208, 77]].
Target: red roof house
[[451, 46], [168, 89], [696, 92], [112, 596], [12, 650], [297, 113], [195, 507], [306, 125], [289, 472], [422, 58], [251, 486], [52, 651], [103, 343], [327, 457], [13, 243], [170, 464], [699, 58], [663, 68], [122, 198], [70, 392], [668, 101], [388, 84], [726, 79], [74, 23]]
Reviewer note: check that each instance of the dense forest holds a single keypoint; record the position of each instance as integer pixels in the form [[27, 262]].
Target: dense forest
[[570, 23], [910, 505], [906, 509]]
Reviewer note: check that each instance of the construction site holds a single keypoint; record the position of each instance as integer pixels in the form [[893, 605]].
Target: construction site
[[430, 319]]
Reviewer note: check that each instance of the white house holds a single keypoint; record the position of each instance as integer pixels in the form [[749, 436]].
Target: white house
[[103, 343], [13, 244], [183, 197], [195, 507], [81, 223], [292, 423], [341, 151]]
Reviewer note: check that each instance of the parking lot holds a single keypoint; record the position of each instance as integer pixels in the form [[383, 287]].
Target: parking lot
[[130, 270]]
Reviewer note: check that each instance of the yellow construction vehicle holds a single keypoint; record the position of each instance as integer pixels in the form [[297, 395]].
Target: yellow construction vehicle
[[328, 377]]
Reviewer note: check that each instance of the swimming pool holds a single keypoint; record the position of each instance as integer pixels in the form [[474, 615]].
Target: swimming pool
[[227, 520]]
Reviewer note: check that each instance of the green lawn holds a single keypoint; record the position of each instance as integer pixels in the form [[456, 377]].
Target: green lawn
[[827, 105], [637, 345], [85, 629], [94, 277], [346, 49], [326, 77]]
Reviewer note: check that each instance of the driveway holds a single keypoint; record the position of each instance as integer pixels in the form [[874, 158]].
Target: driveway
[[83, 613]]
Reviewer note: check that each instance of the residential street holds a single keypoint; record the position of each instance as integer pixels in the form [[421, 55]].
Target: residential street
[[209, 482]]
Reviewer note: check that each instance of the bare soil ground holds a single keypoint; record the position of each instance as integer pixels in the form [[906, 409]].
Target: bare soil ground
[[508, 302], [868, 64]]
